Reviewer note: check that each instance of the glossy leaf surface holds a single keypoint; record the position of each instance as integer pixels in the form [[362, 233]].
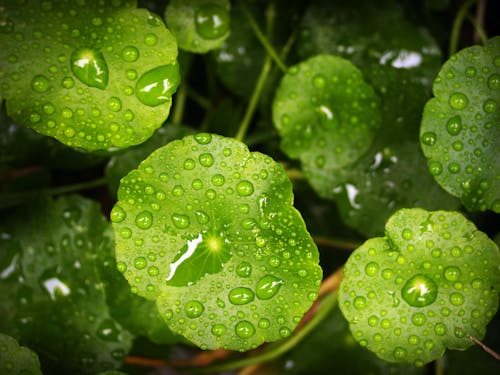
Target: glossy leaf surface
[[426, 286], [213, 237], [94, 75], [52, 294], [199, 25], [460, 133]]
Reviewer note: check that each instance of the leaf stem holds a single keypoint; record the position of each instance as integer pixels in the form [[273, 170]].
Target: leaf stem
[[325, 307], [479, 29], [263, 39], [439, 366], [180, 105], [336, 243], [486, 348], [457, 25]]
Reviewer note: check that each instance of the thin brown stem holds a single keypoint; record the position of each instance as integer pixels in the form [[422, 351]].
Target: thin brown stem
[[486, 348]]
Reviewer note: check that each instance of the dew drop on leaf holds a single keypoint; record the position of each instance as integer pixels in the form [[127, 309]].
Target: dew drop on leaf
[[206, 159], [140, 263], [193, 309], [458, 101], [244, 269], [157, 85], [244, 329], [130, 53], [268, 286], [211, 21], [108, 330], [245, 188], [241, 296], [494, 81], [180, 221], [144, 219], [90, 67], [218, 329], [419, 291], [40, 83]]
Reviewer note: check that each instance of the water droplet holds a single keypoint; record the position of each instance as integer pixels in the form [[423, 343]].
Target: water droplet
[[180, 221], [189, 164], [435, 168], [144, 219], [458, 101], [399, 353], [419, 291], [241, 296], [157, 85], [319, 81], [150, 39], [268, 286], [206, 159], [114, 104], [372, 268], [203, 138], [218, 329], [130, 53], [454, 167], [440, 329], [456, 299], [108, 330], [359, 302], [90, 67], [407, 234], [285, 332], [40, 83], [218, 180], [117, 214], [193, 309], [153, 271], [489, 105], [244, 329], [244, 188], [140, 263], [121, 266], [244, 269], [6, 24], [418, 319], [202, 217], [211, 21], [429, 138], [494, 81], [125, 233], [264, 323]]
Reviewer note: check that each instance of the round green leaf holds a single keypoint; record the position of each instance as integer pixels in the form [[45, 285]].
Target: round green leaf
[[428, 285], [460, 133], [208, 230], [199, 25], [52, 293], [94, 75], [15, 359], [326, 114]]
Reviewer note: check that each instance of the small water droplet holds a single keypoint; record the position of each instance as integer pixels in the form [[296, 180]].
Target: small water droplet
[[489, 105], [218, 329], [429, 138], [372, 268], [440, 329], [144, 219], [268, 286], [399, 353], [189, 164], [130, 53], [206, 159], [244, 269], [470, 71], [285, 332], [203, 138], [153, 271], [458, 101], [419, 291], [244, 329], [319, 81], [114, 104], [117, 214], [407, 234], [140, 263], [457, 299], [264, 323], [494, 81], [150, 39], [359, 302], [157, 85], [202, 217], [218, 180], [121, 266], [418, 319], [40, 83], [193, 309], [90, 67], [125, 233], [241, 296], [180, 221], [435, 168], [245, 188], [212, 21]]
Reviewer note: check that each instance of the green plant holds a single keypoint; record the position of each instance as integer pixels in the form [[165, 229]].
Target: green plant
[[316, 129]]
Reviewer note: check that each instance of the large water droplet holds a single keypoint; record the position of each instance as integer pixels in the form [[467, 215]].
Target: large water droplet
[[130, 53], [55, 287], [244, 269], [419, 291], [218, 329], [429, 138], [244, 329], [206, 159], [494, 81], [90, 67], [454, 125], [180, 221], [268, 286], [211, 21], [117, 214], [157, 85], [40, 83], [241, 296], [458, 101], [193, 309], [245, 188], [144, 219], [140, 263]]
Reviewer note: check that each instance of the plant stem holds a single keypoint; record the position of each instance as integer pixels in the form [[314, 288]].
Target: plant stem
[[486, 348], [295, 174], [263, 39], [199, 99], [479, 29], [439, 366], [180, 105], [457, 25], [336, 243], [325, 307]]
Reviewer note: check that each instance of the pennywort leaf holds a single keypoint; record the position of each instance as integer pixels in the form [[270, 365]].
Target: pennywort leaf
[[94, 75], [428, 285], [213, 238], [460, 135], [16, 359]]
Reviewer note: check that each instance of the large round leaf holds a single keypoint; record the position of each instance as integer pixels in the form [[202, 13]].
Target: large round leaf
[[428, 285], [199, 25], [327, 116], [52, 293], [16, 359], [460, 133], [94, 75], [208, 230]]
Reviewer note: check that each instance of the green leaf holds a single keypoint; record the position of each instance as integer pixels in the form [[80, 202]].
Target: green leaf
[[460, 135], [428, 285], [52, 294], [119, 165], [15, 359], [213, 237], [199, 25], [361, 34], [95, 75], [327, 116]]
